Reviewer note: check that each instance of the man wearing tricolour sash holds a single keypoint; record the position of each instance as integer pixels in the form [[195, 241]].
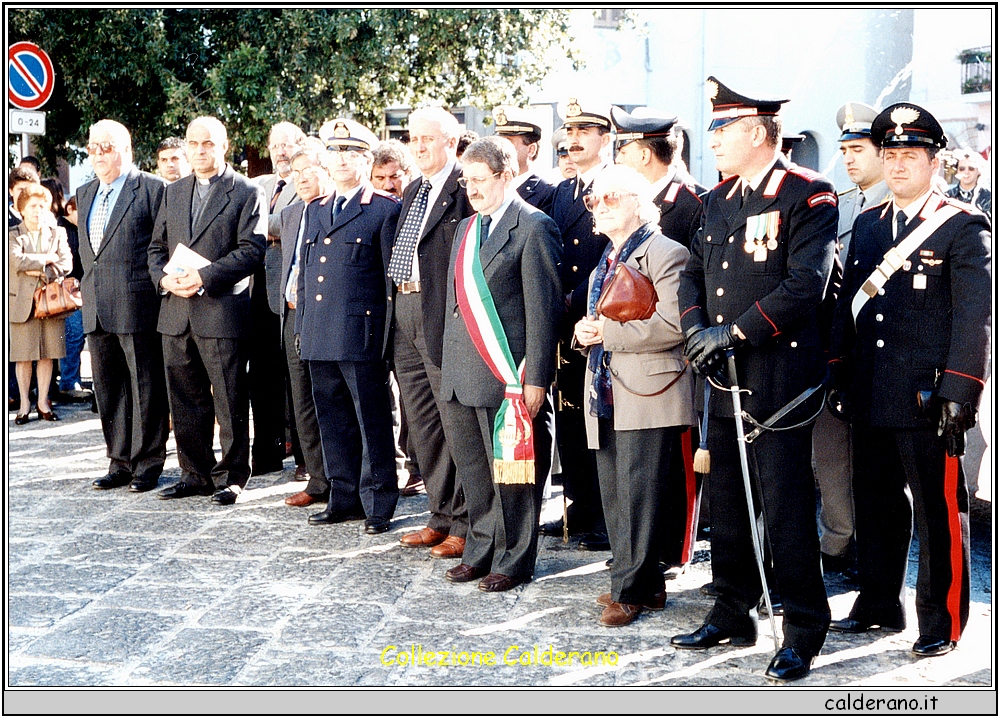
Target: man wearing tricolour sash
[[501, 326], [910, 348]]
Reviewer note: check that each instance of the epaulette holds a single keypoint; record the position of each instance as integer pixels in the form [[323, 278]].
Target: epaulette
[[671, 195], [367, 197], [324, 200], [964, 206], [883, 203], [805, 173], [734, 178], [847, 191], [774, 182]]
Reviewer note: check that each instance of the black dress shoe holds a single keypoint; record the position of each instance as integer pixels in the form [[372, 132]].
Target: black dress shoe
[[112, 481], [141, 484], [376, 526], [48, 415], [552, 528], [226, 496], [927, 646], [333, 517], [709, 590], [708, 636], [182, 490], [849, 625], [595, 541], [22, 419], [776, 604], [788, 665]]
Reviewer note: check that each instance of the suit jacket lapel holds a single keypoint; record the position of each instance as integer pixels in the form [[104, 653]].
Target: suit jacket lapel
[[122, 204], [83, 211], [349, 211], [447, 197], [499, 234], [757, 204], [185, 188], [215, 201], [576, 209]]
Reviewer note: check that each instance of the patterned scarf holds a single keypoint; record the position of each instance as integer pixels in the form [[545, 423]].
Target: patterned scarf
[[599, 361]]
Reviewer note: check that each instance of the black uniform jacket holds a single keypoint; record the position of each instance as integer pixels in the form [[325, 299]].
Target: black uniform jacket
[[775, 301], [343, 290], [680, 212], [538, 192], [930, 325]]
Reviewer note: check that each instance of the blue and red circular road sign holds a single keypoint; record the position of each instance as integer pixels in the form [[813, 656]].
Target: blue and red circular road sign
[[30, 78]]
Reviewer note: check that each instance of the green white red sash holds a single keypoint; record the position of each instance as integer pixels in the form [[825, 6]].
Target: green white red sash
[[513, 445]]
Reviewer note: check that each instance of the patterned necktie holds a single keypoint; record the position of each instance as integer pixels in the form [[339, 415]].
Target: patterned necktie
[[401, 264], [280, 185], [99, 220], [900, 225]]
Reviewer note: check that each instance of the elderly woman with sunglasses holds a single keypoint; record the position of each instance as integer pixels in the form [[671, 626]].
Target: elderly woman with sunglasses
[[638, 388]]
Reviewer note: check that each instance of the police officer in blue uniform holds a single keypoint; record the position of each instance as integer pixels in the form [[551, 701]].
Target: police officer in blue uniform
[[759, 271], [589, 138], [514, 124], [911, 345], [342, 332]]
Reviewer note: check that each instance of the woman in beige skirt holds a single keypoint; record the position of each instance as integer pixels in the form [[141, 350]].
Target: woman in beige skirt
[[31, 246]]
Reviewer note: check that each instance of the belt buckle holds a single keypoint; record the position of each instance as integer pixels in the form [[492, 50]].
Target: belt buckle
[[408, 287]]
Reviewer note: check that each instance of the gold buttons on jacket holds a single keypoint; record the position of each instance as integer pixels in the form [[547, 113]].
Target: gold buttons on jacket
[[326, 241], [322, 259], [730, 240], [358, 240], [319, 297], [319, 278], [576, 241], [368, 312], [718, 319], [719, 292], [725, 265], [575, 268], [879, 317], [880, 343]]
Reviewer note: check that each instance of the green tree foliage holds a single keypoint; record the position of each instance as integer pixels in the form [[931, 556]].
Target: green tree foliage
[[154, 70]]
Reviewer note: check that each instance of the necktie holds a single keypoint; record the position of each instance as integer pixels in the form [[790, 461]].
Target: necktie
[[900, 225], [279, 185], [484, 230], [401, 264], [747, 191], [100, 219], [338, 205]]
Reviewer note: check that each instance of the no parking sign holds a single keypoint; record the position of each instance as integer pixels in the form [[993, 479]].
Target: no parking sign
[[30, 77]]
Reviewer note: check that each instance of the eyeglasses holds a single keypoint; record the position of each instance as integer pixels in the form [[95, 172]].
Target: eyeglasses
[[104, 147], [563, 152], [475, 181], [426, 139], [282, 145], [612, 200]]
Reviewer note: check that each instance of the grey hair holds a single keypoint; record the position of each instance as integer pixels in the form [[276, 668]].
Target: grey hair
[[626, 180], [496, 152]]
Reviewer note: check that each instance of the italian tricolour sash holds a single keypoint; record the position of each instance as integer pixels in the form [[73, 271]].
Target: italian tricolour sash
[[513, 446]]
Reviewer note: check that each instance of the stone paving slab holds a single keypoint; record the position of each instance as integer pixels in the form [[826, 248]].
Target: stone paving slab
[[118, 589]]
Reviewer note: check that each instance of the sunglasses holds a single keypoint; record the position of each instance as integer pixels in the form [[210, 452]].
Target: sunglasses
[[612, 200], [464, 182], [104, 147], [562, 153]]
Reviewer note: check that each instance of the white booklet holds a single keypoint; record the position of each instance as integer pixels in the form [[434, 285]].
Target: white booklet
[[184, 256]]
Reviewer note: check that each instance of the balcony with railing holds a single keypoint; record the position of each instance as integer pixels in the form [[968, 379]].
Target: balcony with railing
[[977, 70]]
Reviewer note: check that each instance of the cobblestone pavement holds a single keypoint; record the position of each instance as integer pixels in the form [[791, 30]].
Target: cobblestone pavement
[[118, 589]]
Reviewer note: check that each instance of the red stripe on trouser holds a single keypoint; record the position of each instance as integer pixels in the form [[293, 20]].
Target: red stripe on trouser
[[955, 537], [690, 495]]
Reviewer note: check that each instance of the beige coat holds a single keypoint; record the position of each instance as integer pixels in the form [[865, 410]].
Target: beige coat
[[646, 355], [26, 266]]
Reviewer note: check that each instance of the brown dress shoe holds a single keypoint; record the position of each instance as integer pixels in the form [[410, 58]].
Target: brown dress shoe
[[497, 582], [451, 547], [656, 603], [620, 614], [463, 573], [414, 485], [424, 537], [302, 499]]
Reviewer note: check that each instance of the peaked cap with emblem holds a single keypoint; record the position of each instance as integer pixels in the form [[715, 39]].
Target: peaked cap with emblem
[[729, 106], [907, 125], [574, 115], [513, 122], [642, 122], [343, 134], [855, 121]]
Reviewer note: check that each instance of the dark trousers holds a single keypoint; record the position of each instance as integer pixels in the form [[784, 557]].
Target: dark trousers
[[267, 386], [579, 468], [131, 394], [207, 382], [783, 488], [681, 499], [420, 388], [304, 410], [632, 467], [355, 428], [503, 518], [886, 463]]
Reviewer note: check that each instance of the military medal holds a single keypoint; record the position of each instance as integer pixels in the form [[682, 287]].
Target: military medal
[[762, 235]]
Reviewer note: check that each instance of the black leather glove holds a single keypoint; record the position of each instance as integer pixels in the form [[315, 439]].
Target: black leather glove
[[836, 402], [298, 345], [706, 350], [689, 334], [956, 419]]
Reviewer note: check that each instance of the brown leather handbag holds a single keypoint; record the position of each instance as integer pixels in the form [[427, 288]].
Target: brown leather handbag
[[58, 299], [629, 295]]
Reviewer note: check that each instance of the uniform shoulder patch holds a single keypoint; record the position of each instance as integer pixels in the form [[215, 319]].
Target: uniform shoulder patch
[[805, 173], [387, 195], [775, 182], [672, 190], [690, 190], [847, 192], [823, 198], [880, 205], [964, 206]]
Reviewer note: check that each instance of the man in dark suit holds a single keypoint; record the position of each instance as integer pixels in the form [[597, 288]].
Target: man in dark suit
[[341, 323], [588, 134], [646, 142], [431, 209], [759, 272], [911, 352], [312, 182], [515, 253], [120, 305], [514, 124], [221, 217]]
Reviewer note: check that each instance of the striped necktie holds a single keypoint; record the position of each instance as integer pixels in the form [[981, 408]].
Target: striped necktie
[[99, 220]]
